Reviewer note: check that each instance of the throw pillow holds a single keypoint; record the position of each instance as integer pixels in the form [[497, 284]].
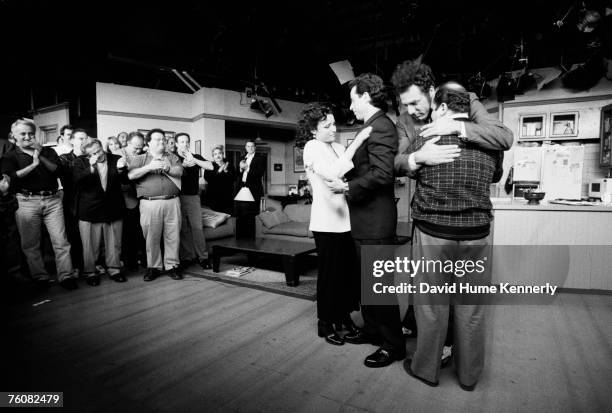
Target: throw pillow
[[272, 218], [212, 219]]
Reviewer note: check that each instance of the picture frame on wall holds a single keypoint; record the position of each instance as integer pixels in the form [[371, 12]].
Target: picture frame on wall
[[563, 124], [298, 159], [532, 126]]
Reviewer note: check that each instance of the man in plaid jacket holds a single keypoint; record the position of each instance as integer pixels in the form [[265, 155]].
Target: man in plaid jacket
[[451, 210]]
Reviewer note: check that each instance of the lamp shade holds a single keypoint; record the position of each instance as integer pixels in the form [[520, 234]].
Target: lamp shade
[[244, 195]]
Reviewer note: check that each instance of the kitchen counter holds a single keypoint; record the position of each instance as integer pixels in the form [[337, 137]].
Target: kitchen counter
[[582, 233], [544, 206]]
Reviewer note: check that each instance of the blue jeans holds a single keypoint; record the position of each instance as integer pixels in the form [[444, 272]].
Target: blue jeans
[[32, 213]]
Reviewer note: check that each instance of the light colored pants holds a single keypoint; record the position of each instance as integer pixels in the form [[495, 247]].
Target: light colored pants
[[193, 243], [161, 218], [432, 317], [91, 236], [32, 213]]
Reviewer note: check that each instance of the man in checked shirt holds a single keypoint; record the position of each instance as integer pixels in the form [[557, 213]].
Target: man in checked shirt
[[453, 159]]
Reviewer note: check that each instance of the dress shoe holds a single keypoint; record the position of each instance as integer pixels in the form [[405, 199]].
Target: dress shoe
[[467, 388], [175, 274], [408, 370], [347, 325], [326, 329], [132, 266], [42, 285], [118, 278], [69, 284], [94, 281], [361, 338], [205, 264], [382, 358], [151, 274]]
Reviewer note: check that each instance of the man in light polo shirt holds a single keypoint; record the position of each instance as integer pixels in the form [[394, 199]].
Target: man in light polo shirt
[[157, 176]]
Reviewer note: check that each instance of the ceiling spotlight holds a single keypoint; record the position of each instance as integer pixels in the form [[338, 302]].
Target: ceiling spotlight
[[260, 105], [506, 88]]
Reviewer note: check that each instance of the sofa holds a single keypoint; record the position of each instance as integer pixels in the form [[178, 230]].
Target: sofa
[[291, 223], [297, 219], [213, 233]]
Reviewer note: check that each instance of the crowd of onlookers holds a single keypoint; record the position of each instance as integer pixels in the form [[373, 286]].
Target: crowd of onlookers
[[107, 207]]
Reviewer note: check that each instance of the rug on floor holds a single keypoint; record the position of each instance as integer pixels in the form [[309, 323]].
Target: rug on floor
[[267, 276]]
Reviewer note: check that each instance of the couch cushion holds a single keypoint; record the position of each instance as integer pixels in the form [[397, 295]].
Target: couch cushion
[[297, 229], [212, 219], [298, 213], [224, 230], [271, 219]]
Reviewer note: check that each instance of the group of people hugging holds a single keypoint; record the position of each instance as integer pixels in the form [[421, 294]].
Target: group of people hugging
[[447, 142]]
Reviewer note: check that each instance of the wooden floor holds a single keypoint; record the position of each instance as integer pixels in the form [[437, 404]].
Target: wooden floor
[[201, 346]]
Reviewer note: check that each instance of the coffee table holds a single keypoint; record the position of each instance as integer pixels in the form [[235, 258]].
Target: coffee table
[[290, 252]]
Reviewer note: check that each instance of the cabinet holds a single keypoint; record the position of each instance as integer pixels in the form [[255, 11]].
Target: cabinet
[[605, 142], [549, 126]]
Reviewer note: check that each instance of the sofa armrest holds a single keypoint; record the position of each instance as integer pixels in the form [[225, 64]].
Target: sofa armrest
[[258, 227]]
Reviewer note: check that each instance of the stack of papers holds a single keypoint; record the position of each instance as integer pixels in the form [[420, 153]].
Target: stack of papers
[[239, 271]]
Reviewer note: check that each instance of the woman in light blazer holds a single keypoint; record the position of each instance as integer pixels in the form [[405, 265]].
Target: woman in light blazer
[[338, 279]]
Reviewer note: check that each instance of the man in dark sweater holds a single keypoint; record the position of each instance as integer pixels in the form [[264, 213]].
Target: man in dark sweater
[[192, 244], [76, 139], [10, 253], [33, 171]]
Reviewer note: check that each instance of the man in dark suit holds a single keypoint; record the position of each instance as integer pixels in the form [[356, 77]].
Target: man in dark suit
[[371, 200], [99, 208], [76, 140], [252, 169]]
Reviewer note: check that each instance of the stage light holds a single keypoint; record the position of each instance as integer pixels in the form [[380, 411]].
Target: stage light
[[505, 88], [260, 105]]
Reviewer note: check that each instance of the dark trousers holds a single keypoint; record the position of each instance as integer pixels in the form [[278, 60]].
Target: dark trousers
[[74, 238], [245, 218], [133, 243], [338, 278], [382, 321]]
